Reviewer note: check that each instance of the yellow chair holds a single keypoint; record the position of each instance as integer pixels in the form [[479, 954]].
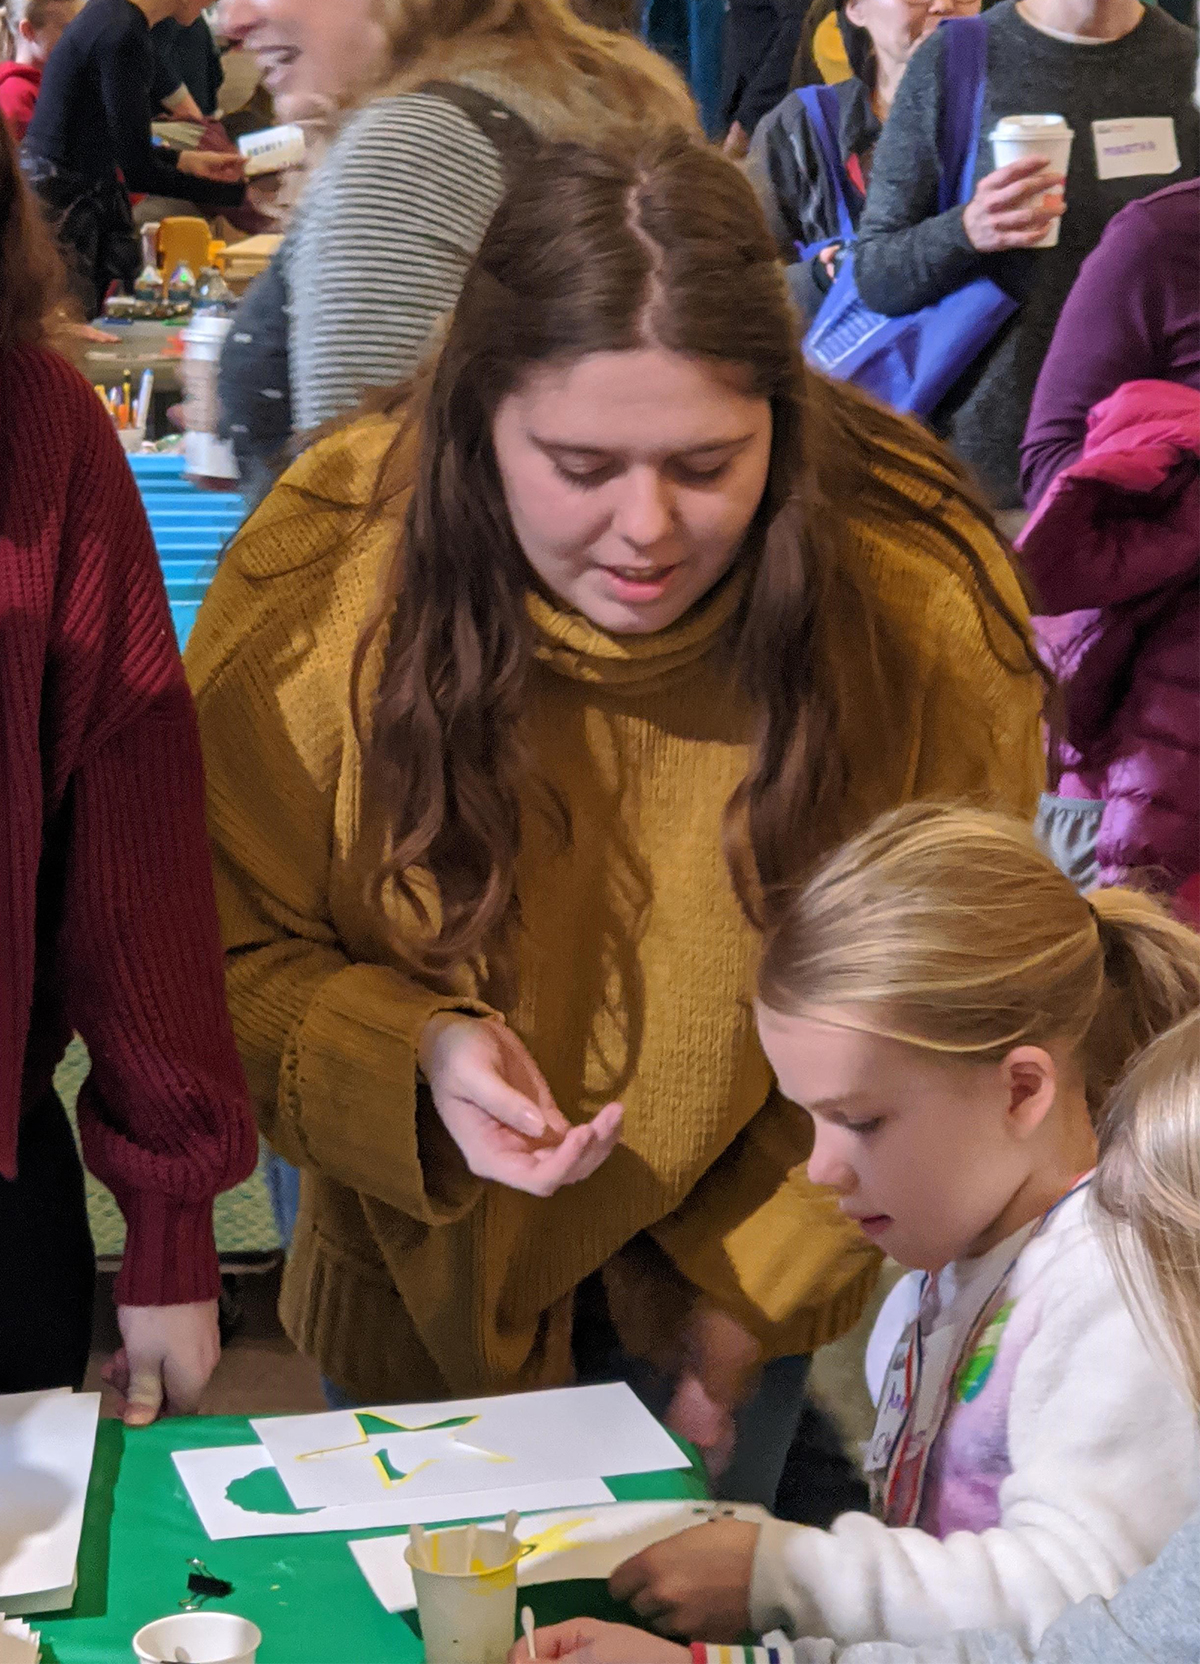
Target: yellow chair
[[183, 239]]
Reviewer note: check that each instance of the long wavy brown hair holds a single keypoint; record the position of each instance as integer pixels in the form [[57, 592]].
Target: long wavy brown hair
[[596, 252], [32, 279]]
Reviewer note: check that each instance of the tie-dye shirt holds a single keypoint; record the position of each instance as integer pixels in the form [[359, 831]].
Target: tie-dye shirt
[[1066, 1459]]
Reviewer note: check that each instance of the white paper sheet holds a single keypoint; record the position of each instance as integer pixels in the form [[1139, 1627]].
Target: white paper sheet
[[18, 1643], [208, 1474], [565, 1544], [474, 1444], [46, 1445]]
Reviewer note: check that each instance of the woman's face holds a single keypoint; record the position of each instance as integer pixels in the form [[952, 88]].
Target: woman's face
[[897, 27], [631, 479], [311, 52]]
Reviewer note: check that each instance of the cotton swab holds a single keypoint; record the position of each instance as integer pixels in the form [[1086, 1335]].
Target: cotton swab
[[527, 1628], [416, 1536], [472, 1547]]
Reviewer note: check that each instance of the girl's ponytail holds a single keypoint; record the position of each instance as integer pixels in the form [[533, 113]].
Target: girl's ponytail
[[1151, 980], [952, 930]]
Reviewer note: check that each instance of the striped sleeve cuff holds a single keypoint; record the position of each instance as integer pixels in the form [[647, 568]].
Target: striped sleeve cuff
[[703, 1653]]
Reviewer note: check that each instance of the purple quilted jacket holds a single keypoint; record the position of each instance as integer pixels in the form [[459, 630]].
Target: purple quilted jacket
[[1114, 554]]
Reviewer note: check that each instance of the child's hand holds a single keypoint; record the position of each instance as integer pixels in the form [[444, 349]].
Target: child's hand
[[587, 1641], [695, 1584]]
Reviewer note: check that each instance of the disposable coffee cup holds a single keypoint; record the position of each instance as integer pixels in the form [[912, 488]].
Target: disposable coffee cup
[[272, 149], [1016, 137], [205, 456], [198, 1638], [466, 1594]]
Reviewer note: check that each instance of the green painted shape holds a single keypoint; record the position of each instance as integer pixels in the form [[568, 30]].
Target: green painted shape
[[393, 1473], [263, 1492], [375, 1426], [972, 1377]]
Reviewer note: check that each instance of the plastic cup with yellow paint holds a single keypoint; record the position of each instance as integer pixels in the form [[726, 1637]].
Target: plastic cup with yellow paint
[[466, 1583]]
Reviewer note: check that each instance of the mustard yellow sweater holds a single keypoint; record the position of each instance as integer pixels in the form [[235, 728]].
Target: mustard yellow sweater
[[410, 1279]]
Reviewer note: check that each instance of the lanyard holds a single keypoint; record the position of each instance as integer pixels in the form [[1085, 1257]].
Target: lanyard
[[909, 1418]]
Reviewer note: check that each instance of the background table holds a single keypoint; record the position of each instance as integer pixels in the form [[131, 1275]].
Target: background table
[[306, 1594]]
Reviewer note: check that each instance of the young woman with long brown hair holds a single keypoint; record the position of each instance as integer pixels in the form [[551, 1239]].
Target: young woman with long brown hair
[[516, 701], [107, 921]]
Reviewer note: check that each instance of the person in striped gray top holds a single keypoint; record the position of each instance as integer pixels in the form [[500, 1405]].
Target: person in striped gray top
[[392, 217]]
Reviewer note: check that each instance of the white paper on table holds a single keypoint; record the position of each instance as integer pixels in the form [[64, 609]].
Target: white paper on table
[[471, 1444], [565, 1544], [46, 1444], [18, 1643], [208, 1474]]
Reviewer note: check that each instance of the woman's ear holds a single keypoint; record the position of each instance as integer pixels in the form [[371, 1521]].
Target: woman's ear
[[854, 13], [1031, 1076], [26, 31]]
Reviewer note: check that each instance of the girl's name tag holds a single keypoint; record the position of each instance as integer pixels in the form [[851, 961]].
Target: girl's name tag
[[1135, 145]]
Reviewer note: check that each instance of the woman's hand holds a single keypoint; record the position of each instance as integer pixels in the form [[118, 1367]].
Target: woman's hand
[[225, 166], [737, 142], [828, 258], [722, 1361], [168, 1356], [588, 1641], [695, 1584], [1009, 208], [494, 1102]]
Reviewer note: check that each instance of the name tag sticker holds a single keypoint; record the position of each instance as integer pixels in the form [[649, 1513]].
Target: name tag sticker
[[1135, 145]]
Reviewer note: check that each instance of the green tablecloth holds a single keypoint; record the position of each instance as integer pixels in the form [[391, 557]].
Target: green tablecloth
[[306, 1594]]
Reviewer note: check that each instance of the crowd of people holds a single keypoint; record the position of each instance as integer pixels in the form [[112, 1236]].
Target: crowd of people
[[631, 831]]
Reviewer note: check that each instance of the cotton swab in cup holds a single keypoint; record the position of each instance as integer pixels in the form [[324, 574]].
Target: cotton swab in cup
[[416, 1536], [471, 1543], [527, 1628]]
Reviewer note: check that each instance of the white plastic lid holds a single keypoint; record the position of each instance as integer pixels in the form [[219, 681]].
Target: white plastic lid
[[1031, 127]]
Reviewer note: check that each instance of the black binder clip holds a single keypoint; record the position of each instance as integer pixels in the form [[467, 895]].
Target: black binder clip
[[203, 1586]]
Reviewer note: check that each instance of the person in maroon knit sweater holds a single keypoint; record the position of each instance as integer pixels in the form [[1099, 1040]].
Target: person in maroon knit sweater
[[107, 920]]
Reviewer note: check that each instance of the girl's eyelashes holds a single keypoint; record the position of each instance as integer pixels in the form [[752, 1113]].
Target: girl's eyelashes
[[865, 1127]]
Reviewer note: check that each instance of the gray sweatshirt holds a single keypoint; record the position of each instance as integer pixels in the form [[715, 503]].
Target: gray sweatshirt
[[1154, 1619], [909, 255]]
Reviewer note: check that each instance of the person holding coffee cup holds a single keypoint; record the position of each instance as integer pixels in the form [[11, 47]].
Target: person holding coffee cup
[[1086, 107]]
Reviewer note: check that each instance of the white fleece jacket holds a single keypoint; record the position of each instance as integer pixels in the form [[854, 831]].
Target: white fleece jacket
[[1063, 1476]]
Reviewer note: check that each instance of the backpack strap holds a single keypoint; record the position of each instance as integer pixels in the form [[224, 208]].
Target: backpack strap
[[824, 111], [964, 42], [515, 140]]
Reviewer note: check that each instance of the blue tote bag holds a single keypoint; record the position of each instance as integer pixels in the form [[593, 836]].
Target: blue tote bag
[[911, 362]]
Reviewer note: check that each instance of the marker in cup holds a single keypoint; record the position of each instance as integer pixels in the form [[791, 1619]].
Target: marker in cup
[[1016, 137]]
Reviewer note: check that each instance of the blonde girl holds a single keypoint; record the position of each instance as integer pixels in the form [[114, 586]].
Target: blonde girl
[[1147, 1191], [953, 1015], [29, 31]]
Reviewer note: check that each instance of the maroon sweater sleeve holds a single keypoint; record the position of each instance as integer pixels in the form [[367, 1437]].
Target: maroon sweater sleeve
[[164, 1115]]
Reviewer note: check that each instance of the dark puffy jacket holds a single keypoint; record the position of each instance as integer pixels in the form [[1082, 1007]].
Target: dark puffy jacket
[[1114, 554]]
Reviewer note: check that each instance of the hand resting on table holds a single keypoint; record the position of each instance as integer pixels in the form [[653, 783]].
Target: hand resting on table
[[168, 1357]]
